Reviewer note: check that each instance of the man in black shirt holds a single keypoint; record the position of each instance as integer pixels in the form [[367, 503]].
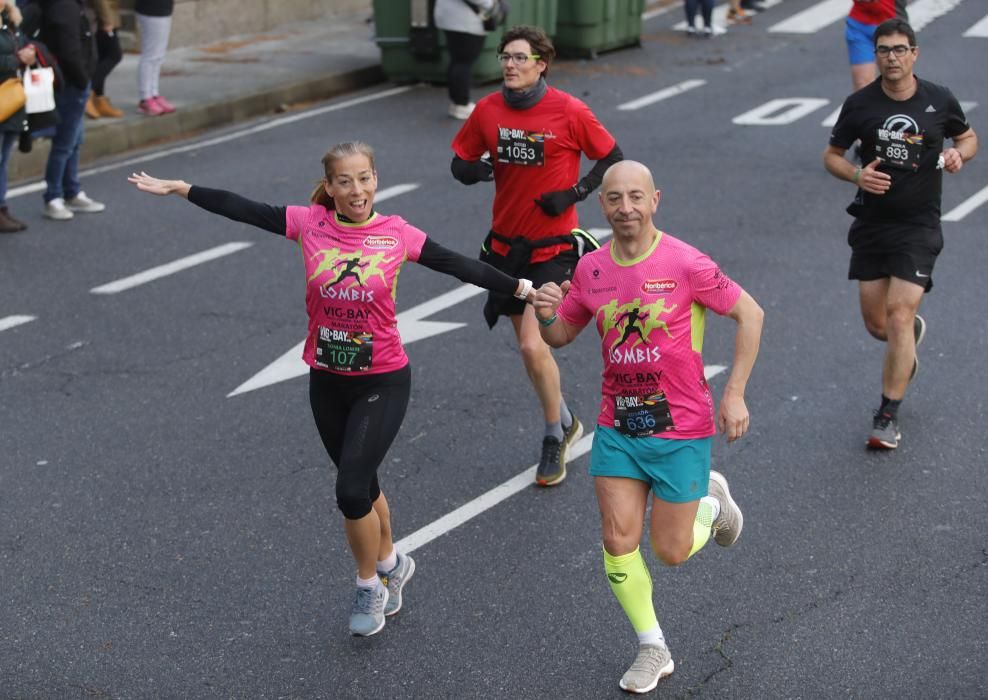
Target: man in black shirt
[[895, 238]]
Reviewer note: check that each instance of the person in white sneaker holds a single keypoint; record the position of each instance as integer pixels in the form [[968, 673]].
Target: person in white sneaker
[[66, 30], [465, 36], [647, 294]]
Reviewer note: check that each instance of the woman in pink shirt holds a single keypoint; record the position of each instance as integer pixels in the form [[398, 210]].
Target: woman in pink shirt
[[359, 378]]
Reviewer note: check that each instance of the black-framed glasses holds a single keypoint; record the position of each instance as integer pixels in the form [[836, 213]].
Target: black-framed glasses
[[519, 59], [899, 50]]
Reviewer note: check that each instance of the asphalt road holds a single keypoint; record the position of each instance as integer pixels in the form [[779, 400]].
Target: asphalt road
[[160, 538]]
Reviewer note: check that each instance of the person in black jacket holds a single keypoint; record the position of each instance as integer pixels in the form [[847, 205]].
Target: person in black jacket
[[66, 30], [13, 55]]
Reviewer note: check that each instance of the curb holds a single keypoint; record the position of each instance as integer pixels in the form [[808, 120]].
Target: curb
[[107, 139]]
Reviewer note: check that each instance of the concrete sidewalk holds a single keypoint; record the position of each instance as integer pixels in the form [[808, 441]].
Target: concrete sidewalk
[[230, 80]]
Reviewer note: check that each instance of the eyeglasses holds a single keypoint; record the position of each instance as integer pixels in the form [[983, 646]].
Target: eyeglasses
[[899, 50], [519, 59]]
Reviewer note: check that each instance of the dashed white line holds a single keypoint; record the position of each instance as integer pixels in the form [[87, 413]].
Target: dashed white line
[[979, 29], [967, 206], [156, 273], [663, 94], [8, 322], [250, 131], [501, 492]]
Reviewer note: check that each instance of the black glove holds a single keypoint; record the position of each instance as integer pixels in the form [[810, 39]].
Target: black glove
[[470, 172], [555, 203]]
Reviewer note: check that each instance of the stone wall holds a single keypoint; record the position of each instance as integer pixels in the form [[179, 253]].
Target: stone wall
[[203, 21]]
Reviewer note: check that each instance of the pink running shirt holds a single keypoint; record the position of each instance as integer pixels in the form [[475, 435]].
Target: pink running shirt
[[650, 317], [351, 272]]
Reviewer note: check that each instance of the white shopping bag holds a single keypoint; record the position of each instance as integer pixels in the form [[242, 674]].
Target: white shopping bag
[[39, 89]]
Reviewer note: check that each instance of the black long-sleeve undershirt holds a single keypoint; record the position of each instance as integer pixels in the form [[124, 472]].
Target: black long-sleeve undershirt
[[273, 218]]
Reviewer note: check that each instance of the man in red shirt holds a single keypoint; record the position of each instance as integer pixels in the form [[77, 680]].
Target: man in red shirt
[[534, 136]]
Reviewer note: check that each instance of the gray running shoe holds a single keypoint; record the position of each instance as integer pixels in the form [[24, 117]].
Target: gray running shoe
[[367, 614], [885, 433], [728, 525], [395, 580], [652, 664], [552, 466]]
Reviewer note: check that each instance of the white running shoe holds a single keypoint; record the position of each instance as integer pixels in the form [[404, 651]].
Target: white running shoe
[[461, 111], [653, 663], [83, 204], [727, 525], [56, 210]]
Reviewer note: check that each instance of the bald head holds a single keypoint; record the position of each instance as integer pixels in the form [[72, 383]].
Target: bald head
[[629, 200], [628, 174]]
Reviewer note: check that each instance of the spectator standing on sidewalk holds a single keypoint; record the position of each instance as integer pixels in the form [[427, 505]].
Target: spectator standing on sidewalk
[[465, 36], [154, 20], [14, 55], [108, 55], [706, 8], [66, 31]]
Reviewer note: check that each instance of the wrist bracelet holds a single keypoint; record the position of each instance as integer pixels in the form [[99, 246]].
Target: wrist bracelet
[[526, 287], [548, 321], [857, 176]]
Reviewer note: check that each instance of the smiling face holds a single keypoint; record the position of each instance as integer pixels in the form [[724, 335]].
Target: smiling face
[[629, 199], [352, 186], [521, 74]]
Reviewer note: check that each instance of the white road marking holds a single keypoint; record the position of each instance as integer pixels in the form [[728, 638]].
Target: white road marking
[[8, 322], [922, 12], [979, 29], [501, 492], [663, 94], [815, 18], [412, 326], [250, 131], [967, 206], [968, 106], [780, 111], [719, 18], [156, 273]]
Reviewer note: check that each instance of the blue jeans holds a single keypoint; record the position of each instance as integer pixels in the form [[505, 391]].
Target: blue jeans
[[62, 171], [6, 146]]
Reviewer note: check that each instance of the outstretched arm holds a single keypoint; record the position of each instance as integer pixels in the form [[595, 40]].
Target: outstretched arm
[[441, 259], [732, 417], [228, 204]]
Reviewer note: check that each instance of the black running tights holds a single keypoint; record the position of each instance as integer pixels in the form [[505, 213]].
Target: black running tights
[[358, 418]]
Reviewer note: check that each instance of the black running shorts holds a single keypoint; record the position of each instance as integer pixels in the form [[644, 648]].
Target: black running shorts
[[904, 251]]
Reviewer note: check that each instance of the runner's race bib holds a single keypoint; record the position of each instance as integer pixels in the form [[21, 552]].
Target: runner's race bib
[[899, 149], [343, 351], [641, 416], [520, 147]]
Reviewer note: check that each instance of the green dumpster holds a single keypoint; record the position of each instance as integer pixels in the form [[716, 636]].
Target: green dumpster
[[414, 50], [585, 27]]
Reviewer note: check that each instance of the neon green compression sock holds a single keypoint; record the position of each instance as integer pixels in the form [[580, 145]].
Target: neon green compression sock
[[702, 525], [632, 586]]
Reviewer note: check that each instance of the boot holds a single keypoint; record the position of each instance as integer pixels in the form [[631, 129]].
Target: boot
[[91, 110], [9, 224], [105, 108]]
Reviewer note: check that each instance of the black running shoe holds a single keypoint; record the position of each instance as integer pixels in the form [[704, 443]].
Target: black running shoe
[[552, 465]]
